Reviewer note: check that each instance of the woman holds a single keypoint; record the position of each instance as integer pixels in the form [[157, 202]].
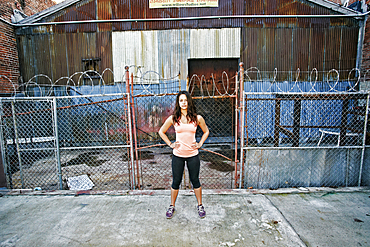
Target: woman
[[185, 121]]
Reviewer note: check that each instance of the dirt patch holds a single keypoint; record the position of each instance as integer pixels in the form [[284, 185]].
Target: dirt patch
[[89, 158], [217, 162]]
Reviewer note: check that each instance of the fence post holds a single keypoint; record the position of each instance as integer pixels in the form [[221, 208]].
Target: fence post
[[364, 138], [242, 114], [17, 144], [134, 131], [236, 129], [57, 149], [3, 164], [127, 75]]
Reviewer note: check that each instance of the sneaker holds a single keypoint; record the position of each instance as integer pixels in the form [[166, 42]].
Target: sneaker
[[201, 211], [170, 212]]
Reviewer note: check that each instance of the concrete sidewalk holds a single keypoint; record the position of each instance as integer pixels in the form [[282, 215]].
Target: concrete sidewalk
[[284, 217]]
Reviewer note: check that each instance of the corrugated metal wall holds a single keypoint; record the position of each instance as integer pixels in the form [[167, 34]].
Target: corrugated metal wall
[[288, 49], [266, 43], [167, 51]]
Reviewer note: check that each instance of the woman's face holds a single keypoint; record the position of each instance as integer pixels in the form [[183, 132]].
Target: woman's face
[[183, 102]]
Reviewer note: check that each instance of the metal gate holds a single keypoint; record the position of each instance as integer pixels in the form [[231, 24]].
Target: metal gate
[[217, 155], [54, 142], [303, 134]]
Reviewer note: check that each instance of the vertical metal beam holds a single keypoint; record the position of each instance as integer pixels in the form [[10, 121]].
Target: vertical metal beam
[[17, 144], [277, 122], [2, 150], [236, 130], [242, 115], [343, 122], [296, 121], [134, 132], [127, 75], [56, 140], [364, 139]]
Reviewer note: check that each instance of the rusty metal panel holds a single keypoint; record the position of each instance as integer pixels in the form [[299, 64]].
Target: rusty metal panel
[[104, 52], [58, 53], [139, 9], [80, 46], [83, 10], [41, 57], [288, 49], [349, 48], [317, 48], [121, 9], [332, 51], [301, 49], [26, 61], [250, 38], [283, 49], [104, 10]]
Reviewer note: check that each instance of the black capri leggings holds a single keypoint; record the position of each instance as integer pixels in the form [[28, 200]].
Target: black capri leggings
[[178, 164]]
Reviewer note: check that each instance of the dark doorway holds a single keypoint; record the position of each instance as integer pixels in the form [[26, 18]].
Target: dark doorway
[[213, 71], [214, 83]]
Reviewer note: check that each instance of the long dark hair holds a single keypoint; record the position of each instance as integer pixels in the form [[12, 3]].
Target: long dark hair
[[192, 111]]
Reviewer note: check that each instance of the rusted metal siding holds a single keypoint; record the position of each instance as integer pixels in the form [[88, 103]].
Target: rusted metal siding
[[266, 43], [60, 55], [83, 10], [288, 49], [139, 9], [104, 10]]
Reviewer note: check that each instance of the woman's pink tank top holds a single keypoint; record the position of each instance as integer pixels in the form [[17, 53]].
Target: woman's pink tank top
[[185, 137]]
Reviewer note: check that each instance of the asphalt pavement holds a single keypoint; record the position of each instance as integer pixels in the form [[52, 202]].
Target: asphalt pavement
[[283, 217]]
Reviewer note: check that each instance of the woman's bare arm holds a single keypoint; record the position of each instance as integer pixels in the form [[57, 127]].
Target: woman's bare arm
[[162, 131], [203, 126]]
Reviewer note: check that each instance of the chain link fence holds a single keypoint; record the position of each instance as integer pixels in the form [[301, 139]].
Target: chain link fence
[[217, 154], [271, 135], [52, 143], [297, 134]]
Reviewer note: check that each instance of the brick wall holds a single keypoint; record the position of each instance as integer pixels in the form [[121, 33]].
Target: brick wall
[[9, 63], [29, 7]]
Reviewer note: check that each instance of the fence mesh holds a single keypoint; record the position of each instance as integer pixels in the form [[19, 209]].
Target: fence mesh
[[303, 139], [217, 168], [289, 133], [29, 141]]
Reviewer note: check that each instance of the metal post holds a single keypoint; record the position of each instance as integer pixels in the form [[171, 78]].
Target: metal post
[[364, 139], [241, 80], [17, 144], [242, 101], [242, 139], [57, 149], [130, 127], [2, 148], [134, 131], [236, 129]]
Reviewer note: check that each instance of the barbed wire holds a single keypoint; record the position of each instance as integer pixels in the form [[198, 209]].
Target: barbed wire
[[154, 84]]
